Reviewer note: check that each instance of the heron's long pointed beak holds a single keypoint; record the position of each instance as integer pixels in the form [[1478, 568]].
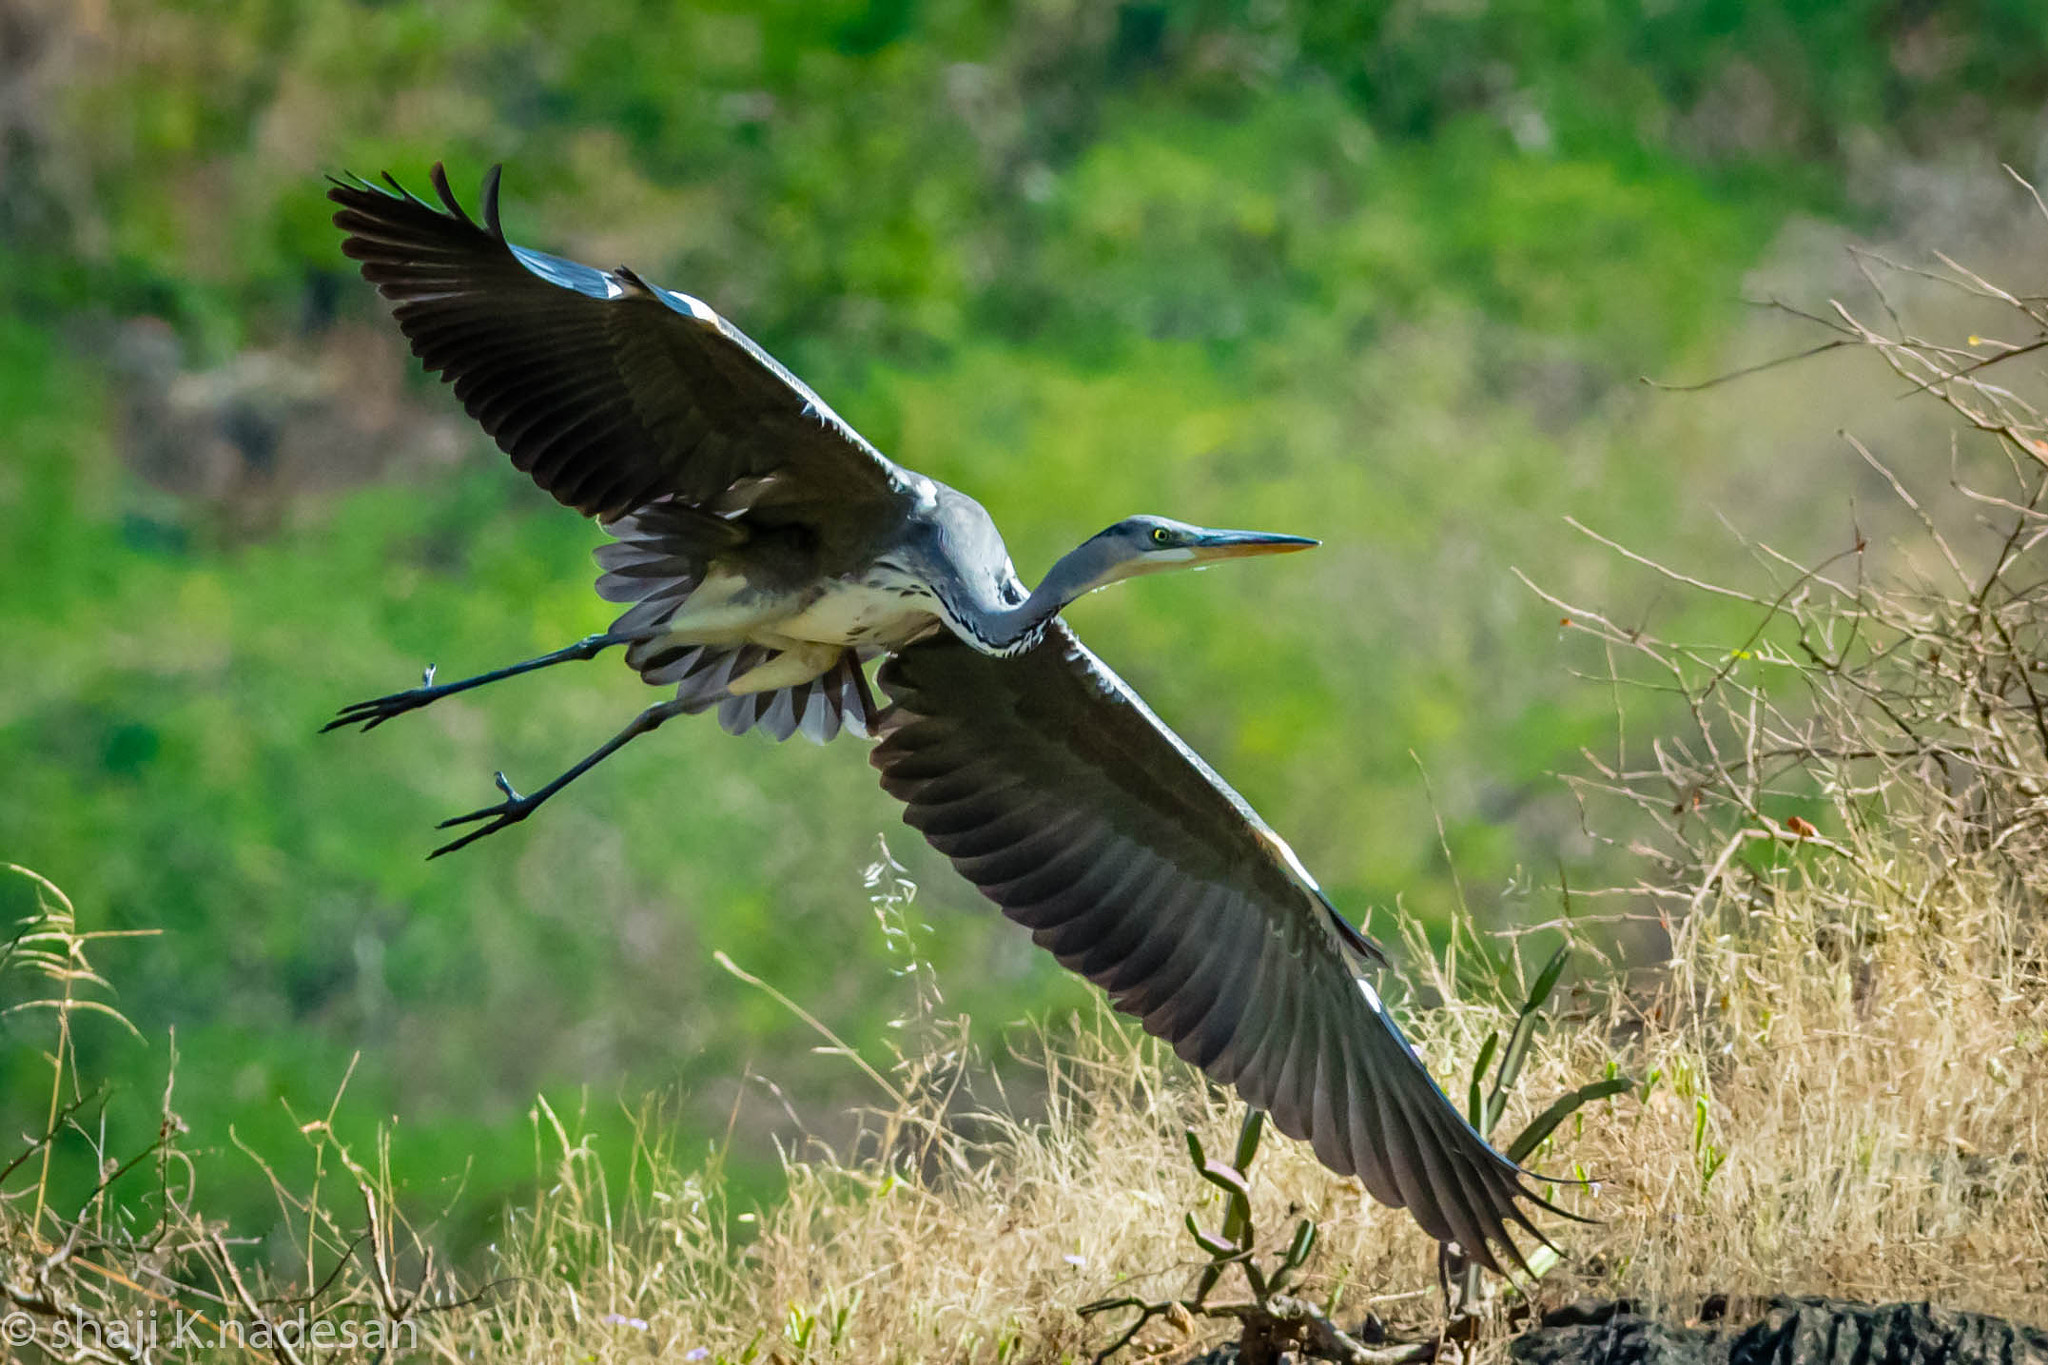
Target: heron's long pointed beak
[[1215, 545]]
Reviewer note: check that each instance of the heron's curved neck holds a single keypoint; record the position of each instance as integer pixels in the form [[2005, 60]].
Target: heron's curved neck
[[1006, 630]]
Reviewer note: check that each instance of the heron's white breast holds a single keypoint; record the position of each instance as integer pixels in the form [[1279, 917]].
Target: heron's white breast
[[884, 606]]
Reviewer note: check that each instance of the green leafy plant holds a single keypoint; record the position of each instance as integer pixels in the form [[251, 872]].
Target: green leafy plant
[[1270, 1319], [1463, 1279]]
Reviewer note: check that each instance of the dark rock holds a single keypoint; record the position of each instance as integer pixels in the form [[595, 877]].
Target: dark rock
[[1792, 1332], [1588, 1312], [1622, 1339]]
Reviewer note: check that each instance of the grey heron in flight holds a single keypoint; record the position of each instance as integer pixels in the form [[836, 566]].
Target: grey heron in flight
[[766, 554]]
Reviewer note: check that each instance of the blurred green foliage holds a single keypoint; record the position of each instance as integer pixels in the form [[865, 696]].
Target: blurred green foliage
[[1378, 273]]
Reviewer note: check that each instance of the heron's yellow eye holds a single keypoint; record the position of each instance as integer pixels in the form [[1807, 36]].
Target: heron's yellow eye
[[1160, 535]]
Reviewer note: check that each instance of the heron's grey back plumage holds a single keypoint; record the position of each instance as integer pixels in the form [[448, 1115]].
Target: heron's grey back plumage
[[1059, 794]]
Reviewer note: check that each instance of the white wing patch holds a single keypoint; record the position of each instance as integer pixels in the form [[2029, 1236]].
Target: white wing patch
[[696, 308], [1279, 846]]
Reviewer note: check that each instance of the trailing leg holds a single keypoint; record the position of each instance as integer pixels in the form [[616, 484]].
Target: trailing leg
[[515, 807], [371, 714]]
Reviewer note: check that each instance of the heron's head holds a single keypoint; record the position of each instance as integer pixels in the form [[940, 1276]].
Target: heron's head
[[1142, 545]]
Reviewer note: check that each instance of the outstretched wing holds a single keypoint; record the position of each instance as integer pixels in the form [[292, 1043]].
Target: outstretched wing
[[609, 391], [1055, 790]]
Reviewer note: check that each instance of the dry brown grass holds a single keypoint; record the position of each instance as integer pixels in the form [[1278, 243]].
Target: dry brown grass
[[1839, 1029], [1827, 972], [1868, 1122]]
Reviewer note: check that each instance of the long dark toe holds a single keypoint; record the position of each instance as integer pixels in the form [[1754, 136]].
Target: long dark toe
[[371, 714], [500, 817], [466, 840], [351, 715], [510, 811], [485, 814]]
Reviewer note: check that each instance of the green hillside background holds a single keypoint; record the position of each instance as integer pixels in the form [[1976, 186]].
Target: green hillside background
[[1387, 275]]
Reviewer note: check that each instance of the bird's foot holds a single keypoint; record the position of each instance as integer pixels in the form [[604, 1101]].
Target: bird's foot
[[510, 811], [371, 714]]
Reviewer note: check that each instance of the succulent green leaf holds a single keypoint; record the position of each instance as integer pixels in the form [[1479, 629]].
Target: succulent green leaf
[[1303, 1243], [1475, 1107], [1547, 979], [1525, 1031], [1215, 1246], [1248, 1134], [1226, 1178], [1546, 1122]]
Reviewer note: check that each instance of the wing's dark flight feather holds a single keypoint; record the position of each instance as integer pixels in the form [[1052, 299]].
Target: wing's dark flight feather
[[1097, 906], [1369, 1132], [1332, 1090], [1204, 1035], [1248, 1032], [608, 391], [1054, 790], [1172, 999]]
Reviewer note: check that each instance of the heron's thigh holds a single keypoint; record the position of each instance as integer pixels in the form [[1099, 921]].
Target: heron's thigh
[[725, 609], [799, 662]]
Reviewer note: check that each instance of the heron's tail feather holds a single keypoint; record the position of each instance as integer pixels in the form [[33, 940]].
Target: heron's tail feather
[[838, 699], [658, 557]]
